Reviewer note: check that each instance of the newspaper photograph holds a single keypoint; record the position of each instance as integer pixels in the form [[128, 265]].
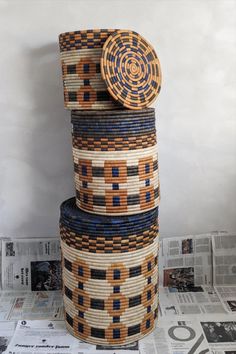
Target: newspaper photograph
[[7, 329], [52, 337], [31, 305], [203, 301], [224, 260], [31, 264], [220, 333], [186, 263]]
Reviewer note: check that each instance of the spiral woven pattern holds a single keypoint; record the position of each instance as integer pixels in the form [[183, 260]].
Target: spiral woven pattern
[[131, 69], [110, 298]]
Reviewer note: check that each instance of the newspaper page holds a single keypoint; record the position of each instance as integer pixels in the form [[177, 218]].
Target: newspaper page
[[224, 260], [7, 301], [31, 264], [1, 240], [41, 337], [186, 262], [180, 336], [227, 295], [31, 305], [52, 337], [7, 329], [204, 300], [155, 343]]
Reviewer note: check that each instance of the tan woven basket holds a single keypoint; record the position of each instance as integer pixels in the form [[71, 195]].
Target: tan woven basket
[[83, 85], [115, 161], [110, 298]]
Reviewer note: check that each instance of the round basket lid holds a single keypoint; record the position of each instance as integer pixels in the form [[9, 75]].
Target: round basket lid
[[131, 69]]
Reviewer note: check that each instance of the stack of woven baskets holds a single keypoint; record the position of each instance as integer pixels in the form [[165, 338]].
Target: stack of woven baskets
[[109, 232]]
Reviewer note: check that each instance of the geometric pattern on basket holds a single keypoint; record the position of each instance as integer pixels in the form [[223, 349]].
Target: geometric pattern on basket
[[114, 244], [111, 300], [114, 144], [131, 69], [94, 38], [84, 87], [117, 186]]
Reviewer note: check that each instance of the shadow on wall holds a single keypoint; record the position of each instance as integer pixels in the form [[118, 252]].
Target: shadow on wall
[[50, 152]]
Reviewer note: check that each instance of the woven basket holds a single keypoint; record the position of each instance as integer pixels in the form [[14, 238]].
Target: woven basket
[[131, 69], [106, 234], [84, 87], [109, 298], [115, 161]]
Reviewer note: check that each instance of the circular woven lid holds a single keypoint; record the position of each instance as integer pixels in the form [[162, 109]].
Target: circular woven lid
[[131, 69]]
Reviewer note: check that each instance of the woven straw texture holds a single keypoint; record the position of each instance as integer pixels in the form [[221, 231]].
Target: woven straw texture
[[85, 39], [131, 69], [106, 234], [84, 87], [115, 162], [110, 299]]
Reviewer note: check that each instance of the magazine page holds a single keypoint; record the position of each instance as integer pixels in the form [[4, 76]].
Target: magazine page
[[52, 337], [227, 295], [203, 300], [186, 262], [31, 264], [224, 260], [7, 329]]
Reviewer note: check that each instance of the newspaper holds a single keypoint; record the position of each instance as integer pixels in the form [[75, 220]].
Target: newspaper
[[31, 305], [180, 336], [6, 332], [224, 260], [31, 264], [199, 335], [186, 262], [204, 300], [227, 296], [156, 343], [52, 337]]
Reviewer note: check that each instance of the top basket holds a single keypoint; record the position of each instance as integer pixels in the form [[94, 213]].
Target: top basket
[[108, 69]]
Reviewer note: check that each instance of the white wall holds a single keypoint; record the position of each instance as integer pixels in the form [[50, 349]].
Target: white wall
[[196, 43]]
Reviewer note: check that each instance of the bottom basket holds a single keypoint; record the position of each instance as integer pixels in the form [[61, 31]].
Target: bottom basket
[[110, 298]]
